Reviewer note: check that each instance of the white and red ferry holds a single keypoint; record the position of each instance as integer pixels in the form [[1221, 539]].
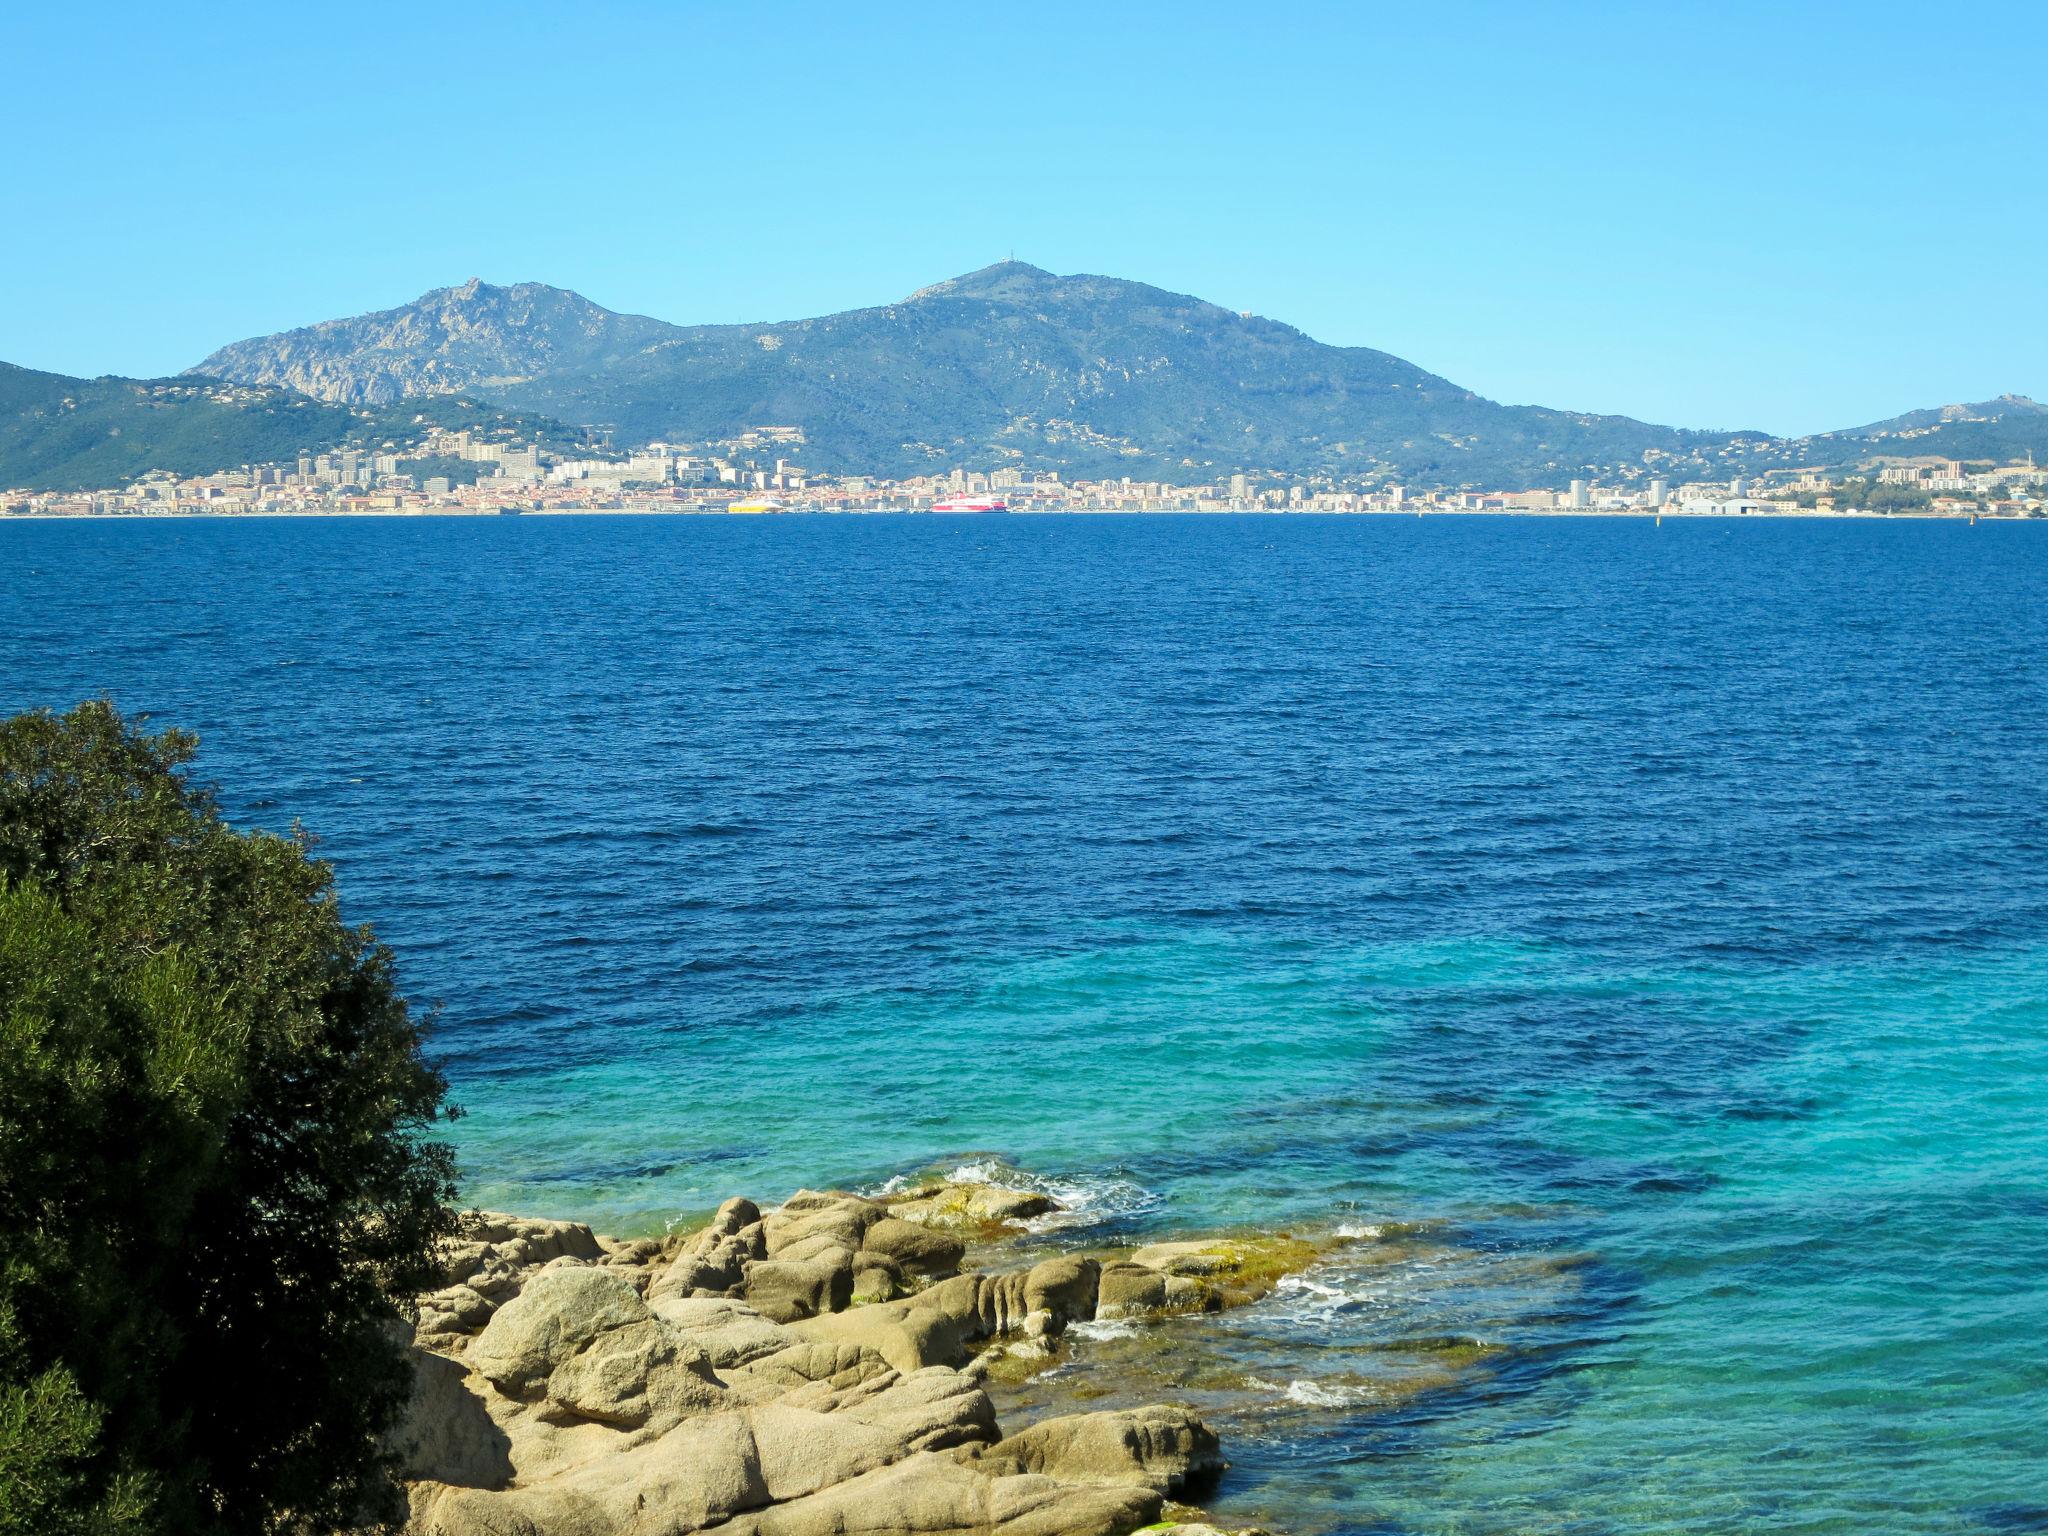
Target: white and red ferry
[[971, 504]]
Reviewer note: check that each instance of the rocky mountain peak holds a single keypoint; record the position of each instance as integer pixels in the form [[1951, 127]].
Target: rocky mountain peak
[[447, 340]]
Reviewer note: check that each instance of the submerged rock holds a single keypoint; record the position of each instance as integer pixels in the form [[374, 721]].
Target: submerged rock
[[1226, 1271]]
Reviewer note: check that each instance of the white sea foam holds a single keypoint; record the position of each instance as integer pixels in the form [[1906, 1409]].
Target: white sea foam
[[1104, 1328], [1302, 1283], [1353, 1229], [1309, 1394], [1307, 1300], [981, 1171], [1315, 1395], [1084, 1199]]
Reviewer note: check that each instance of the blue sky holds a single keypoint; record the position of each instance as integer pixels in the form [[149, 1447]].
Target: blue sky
[[1789, 216]]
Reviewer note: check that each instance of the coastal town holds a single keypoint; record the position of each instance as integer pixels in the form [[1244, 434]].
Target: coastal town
[[461, 472]]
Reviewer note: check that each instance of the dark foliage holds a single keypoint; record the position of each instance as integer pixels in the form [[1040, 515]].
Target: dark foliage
[[217, 1183], [59, 433]]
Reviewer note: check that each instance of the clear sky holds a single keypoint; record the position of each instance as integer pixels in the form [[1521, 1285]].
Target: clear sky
[[1791, 215]]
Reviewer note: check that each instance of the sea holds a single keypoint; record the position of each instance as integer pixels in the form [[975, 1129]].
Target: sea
[[1626, 946]]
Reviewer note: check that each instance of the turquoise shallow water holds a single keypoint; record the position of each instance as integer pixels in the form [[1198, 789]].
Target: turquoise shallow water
[[1643, 930]]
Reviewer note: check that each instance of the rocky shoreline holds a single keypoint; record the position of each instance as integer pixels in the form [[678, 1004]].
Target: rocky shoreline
[[818, 1369]]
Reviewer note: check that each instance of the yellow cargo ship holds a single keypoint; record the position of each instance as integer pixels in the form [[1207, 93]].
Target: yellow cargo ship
[[757, 504]]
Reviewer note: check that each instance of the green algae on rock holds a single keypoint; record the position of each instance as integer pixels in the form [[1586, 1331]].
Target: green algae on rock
[[984, 1211], [1231, 1271]]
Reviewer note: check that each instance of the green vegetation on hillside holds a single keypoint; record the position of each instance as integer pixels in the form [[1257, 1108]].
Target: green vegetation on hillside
[[217, 1183], [1091, 376], [1007, 367], [1010, 367], [405, 422], [1873, 495], [60, 434], [1013, 367]]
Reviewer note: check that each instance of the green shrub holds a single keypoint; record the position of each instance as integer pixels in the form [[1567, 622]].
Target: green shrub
[[218, 1184]]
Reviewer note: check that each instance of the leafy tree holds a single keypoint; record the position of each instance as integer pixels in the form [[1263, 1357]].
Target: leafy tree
[[218, 1183]]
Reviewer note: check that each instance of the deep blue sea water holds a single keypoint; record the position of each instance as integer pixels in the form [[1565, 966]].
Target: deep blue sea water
[[1648, 925]]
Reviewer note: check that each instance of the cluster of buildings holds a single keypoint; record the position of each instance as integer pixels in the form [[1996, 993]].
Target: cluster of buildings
[[459, 471]]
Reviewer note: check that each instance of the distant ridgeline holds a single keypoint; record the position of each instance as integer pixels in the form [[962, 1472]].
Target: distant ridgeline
[[1010, 367]]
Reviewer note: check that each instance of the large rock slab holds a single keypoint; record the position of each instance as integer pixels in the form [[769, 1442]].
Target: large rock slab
[[708, 1469], [556, 1314], [786, 1289], [938, 1496], [936, 1326], [715, 1259], [1163, 1448], [626, 1375], [580, 1340], [801, 1365], [448, 1434], [809, 1223], [729, 1332], [1127, 1288], [913, 1247]]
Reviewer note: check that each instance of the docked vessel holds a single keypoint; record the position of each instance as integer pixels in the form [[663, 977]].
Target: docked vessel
[[971, 504], [757, 504]]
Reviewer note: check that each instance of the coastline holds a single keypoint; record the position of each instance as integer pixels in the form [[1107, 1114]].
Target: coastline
[[909, 1357], [1547, 514]]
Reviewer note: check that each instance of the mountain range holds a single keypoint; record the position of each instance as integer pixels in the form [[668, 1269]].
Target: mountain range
[[1010, 366]]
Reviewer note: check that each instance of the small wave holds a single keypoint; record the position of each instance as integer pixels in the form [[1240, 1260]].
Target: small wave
[[1084, 1199], [1312, 1287], [1301, 1285], [1305, 1300], [1104, 1328], [1353, 1230], [1313, 1394], [1088, 1201]]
